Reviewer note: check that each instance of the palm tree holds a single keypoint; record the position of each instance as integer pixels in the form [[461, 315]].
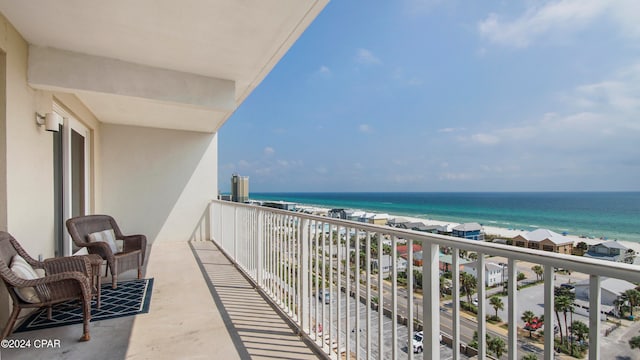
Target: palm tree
[[632, 296], [468, 285], [538, 270], [562, 304], [580, 330], [496, 303], [527, 317], [473, 256], [497, 346]]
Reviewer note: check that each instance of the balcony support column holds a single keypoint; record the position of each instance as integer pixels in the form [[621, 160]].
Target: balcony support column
[[431, 301]]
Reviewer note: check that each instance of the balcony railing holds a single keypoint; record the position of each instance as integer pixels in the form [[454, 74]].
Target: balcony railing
[[296, 258]]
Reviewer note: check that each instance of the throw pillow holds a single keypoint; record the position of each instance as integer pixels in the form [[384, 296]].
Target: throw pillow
[[24, 270], [107, 236]]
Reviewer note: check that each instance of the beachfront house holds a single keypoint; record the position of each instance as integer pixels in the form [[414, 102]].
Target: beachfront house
[[543, 239], [611, 251], [419, 226], [494, 273], [376, 219], [471, 231], [337, 214]]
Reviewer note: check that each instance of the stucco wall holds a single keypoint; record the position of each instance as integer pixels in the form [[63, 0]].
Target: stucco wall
[[157, 182]]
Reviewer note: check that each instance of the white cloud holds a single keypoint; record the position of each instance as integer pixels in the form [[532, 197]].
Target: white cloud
[[364, 128], [485, 139], [449, 130], [366, 57], [324, 70], [269, 151], [564, 16], [455, 176]]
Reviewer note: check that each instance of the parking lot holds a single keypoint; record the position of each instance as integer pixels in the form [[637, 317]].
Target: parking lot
[[402, 337]]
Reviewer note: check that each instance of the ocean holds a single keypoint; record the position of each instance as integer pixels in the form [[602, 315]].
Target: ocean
[[611, 215]]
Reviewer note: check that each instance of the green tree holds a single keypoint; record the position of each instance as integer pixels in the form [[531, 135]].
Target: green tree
[[417, 279], [521, 276], [562, 304], [468, 285], [635, 342], [496, 345], [527, 317], [530, 356], [473, 256], [539, 271], [496, 303], [580, 330], [632, 297]]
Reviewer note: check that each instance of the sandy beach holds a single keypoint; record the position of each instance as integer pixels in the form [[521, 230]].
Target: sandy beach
[[511, 233], [491, 230]]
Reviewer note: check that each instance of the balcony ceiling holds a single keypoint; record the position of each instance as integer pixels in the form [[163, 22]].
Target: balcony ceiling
[[159, 63]]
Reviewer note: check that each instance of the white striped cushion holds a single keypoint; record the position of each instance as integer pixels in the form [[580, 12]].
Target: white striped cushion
[[24, 270], [107, 236]]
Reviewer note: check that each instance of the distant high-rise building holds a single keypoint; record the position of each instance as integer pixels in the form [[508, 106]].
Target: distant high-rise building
[[239, 188]]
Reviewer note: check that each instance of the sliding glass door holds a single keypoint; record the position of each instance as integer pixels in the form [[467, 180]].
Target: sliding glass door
[[72, 162]]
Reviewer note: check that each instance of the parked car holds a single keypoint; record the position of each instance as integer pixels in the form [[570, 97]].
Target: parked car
[[325, 296], [475, 301], [417, 342]]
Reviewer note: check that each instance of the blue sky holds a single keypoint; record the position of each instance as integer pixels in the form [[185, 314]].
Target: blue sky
[[448, 96]]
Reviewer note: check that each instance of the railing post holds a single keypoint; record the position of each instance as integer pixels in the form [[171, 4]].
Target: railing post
[[482, 308], [549, 305], [431, 301], [260, 248], [455, 302], [235, 234], [303, 276], [595, 295], [513, 309]]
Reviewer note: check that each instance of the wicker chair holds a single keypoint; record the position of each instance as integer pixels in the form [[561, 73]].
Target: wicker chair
[[66, 278], [134, 246]]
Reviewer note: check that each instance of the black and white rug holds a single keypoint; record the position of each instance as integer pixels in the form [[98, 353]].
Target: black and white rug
[[130, 298]]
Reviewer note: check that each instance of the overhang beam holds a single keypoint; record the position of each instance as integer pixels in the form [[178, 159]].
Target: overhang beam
[[61, 70]]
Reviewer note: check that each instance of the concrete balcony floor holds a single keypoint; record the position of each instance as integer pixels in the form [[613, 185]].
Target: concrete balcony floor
[[201, 308]]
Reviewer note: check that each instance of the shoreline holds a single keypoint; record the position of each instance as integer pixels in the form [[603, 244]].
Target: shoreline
[[490, 230]]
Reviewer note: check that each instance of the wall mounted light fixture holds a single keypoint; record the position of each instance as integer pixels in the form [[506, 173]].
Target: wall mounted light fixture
[[51, 121]]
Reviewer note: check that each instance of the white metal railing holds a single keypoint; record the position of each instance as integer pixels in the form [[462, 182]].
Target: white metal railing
[[295, 257]]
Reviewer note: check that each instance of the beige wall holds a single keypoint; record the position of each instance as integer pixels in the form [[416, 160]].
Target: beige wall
[[29, 165], [26, 184], [157, 182]]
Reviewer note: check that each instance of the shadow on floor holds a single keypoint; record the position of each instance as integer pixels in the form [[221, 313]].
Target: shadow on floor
[[256, 329]]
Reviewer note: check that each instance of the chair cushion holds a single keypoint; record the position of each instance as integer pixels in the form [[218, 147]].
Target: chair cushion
[[107, 236], [24, 270]]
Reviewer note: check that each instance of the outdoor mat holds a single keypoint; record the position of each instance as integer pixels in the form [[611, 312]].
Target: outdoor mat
[[130, 298]]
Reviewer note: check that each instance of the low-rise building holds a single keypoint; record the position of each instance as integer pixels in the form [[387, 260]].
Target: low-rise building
[[611, 290], [471, 231], [611, 251], [543, 239], [494, 273]]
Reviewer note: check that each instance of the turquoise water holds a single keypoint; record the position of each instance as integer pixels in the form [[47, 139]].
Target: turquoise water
[[613, 215]]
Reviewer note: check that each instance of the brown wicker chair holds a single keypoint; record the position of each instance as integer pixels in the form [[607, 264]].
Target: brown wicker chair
[[66, 278], [134, 246]]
